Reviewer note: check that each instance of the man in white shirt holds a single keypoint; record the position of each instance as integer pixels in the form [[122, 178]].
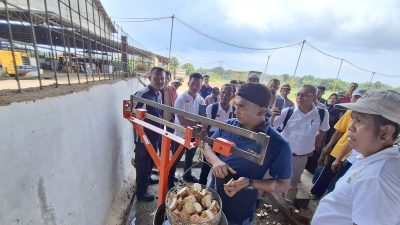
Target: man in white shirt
[[220, 111], [213, 97], [369, 192], [285, 91], [304, 126], [188, 101]]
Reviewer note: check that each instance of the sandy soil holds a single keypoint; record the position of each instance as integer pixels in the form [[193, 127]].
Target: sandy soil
[[31, 91]]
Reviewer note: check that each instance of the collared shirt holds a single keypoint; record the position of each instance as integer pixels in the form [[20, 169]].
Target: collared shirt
[[354, 155], [277, 161], [222, 115], [211, 100], [301, 129], [186, 103], [367, 194], [150, 94]]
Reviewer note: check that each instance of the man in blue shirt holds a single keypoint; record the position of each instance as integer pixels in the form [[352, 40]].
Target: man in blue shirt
[[205, 89], [239, 197], [143, 161]]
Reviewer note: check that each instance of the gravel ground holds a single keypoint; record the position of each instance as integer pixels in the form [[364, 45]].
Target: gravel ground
[[142, 213]]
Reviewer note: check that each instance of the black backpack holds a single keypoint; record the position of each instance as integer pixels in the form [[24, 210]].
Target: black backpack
[[321, 113], [214, 111]]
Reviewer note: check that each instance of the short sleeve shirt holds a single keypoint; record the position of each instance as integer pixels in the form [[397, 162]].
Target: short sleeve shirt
[[301, 129], [342, 125], [368, 194], [188, 104], [221, 116], [150, 94], [277, 161]]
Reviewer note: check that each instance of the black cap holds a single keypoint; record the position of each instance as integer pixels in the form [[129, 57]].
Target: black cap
[[256, 93]]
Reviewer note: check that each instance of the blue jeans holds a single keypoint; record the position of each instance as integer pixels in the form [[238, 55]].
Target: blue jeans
[[245, 222], [317, 173], [324, 179]]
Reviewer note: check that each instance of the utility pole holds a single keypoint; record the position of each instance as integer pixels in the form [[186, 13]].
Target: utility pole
[[170, 42], [298, 60], [266, 66], [370, 82], [337, 76]]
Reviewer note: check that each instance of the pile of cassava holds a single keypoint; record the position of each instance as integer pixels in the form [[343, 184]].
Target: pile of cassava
[[193, 204]]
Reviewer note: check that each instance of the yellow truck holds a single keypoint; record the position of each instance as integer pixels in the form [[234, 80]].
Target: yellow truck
[[22, 62]]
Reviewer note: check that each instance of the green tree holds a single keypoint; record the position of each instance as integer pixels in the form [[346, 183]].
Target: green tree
[[174, 64], [188, 67], [218, 70]]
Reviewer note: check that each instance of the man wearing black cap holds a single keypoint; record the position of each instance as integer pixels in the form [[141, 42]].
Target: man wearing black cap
[[239, 196]]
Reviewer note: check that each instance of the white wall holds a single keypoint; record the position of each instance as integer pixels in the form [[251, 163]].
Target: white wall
[[62, 159]]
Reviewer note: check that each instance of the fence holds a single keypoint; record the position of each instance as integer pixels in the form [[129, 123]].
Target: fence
[[53, 42]]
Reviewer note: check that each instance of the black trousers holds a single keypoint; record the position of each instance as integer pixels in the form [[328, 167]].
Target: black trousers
[[205, 168], [143, 164], [324, 179], [189, 154]]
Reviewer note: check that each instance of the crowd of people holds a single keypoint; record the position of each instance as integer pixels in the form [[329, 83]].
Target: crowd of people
[[348, 141]]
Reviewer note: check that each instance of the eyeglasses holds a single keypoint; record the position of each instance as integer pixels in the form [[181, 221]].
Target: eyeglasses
[[303, 95]]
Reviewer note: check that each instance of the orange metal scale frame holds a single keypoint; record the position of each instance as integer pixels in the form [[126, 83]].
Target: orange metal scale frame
[[165, 161]]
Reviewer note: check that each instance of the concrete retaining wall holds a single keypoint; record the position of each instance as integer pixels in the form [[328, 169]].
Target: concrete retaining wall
[[63, 159]]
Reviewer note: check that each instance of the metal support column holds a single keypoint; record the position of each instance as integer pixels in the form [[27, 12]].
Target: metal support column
[[74, 39], [89, 39], [10, 39], [34, 44], [96, 43], [83, 42], [51, 43], [63, 40]]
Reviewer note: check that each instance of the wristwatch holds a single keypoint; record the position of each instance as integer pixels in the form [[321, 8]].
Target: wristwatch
[[250, 187]]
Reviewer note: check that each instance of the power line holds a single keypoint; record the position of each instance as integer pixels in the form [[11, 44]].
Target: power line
[[139, 19], [316, 49], [142, 18], [350, 63], [228, 43], [150, 19], [197, 62]]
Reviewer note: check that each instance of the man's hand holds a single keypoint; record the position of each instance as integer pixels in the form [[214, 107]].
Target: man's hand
[[323, 158], [336, 165], [233, 187], [276, 111], [221, 169]]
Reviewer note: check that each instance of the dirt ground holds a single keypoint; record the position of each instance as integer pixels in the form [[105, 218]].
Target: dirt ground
[[31, 91]]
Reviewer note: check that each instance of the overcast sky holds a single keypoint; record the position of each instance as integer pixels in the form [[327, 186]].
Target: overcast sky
[[366, 33]]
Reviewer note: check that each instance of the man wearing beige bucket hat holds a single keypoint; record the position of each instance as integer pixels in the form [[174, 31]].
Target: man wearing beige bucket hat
[[369, 192]]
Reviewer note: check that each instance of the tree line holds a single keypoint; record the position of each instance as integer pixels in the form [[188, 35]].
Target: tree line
[[225, 75]]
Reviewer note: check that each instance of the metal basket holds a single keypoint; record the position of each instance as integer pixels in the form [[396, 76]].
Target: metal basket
[[176, 220]]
